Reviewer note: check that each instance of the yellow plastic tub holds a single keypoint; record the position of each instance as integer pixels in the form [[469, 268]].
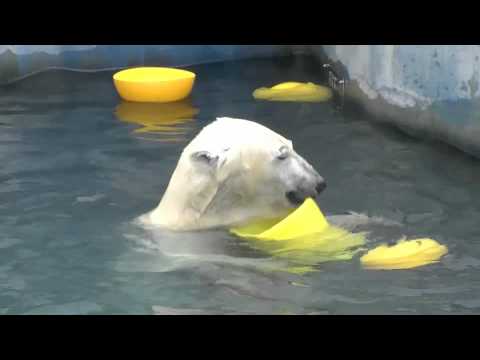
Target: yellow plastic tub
[[305, 220], [304, 238], [154, 84]]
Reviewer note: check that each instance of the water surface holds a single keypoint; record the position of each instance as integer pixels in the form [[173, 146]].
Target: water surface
[[74, 175]]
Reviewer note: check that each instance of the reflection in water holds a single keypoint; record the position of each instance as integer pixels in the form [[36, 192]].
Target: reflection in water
[[164, 119]]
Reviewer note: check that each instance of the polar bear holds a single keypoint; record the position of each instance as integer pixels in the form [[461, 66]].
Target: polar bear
[[234, 170]]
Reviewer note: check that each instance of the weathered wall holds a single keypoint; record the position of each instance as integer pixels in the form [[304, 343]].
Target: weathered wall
[[20, 60], [428, 90]]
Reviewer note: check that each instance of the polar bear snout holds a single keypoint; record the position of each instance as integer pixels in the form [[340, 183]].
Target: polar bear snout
[[321, 185], [298, 196], [302, 180]]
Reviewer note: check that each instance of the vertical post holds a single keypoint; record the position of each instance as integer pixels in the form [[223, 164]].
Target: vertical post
[[342, 82], [334, 82]]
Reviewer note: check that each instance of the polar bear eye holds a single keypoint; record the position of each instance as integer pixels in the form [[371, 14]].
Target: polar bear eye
[[284, 152], [205, 156]]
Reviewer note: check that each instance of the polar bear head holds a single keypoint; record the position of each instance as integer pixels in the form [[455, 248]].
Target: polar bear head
[[235, 170]]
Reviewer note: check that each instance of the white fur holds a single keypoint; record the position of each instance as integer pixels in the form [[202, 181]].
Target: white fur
[[244, 178]]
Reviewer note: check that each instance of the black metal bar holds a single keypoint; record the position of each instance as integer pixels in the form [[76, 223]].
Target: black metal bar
[[334, 82]]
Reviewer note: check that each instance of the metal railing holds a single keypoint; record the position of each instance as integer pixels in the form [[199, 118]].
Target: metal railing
[[337, 84]]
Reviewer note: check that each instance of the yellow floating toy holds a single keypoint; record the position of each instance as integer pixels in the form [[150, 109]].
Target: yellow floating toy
[[305, 220], [404, 255], [304, 238], [294, 91], [154, 84], [157, 117]]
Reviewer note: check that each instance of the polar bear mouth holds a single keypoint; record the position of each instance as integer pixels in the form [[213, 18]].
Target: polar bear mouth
[[295, 198], [298, 197]]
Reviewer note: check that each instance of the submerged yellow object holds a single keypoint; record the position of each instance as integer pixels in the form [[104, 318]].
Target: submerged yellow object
[[294, 91], [406, 254], [153, 84], [157, 117], [305, 220], [304, 238]]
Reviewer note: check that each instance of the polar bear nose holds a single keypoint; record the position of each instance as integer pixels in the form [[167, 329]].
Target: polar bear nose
[[320, 186]]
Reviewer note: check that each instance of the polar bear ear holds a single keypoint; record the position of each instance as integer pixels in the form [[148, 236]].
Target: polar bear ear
[[205, 157]]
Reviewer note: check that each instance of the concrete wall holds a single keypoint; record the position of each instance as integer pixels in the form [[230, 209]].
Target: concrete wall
[[427, 90], [20, 60]]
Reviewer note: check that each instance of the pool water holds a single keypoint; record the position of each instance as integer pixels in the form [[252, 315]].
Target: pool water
[[75, 174]]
